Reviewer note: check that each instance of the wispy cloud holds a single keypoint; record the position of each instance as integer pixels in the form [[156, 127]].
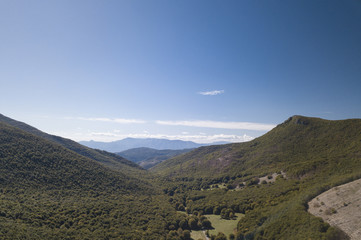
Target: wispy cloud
[[199, 138], [223, 125], [211, 93], [113, 120]]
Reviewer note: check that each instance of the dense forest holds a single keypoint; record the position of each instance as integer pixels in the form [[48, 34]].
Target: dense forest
[[52, 188]]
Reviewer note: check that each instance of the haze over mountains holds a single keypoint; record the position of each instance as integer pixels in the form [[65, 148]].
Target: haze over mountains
[[129, 143], [146, 152]]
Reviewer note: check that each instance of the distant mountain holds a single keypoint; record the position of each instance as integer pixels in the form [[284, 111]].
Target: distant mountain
[[129, 143], [149, 157], [108, 159]]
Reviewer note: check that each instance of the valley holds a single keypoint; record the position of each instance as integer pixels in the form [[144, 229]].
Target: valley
[[54, 188], [149, 157]]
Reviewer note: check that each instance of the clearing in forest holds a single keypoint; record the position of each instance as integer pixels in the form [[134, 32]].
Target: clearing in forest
[[220, 225]]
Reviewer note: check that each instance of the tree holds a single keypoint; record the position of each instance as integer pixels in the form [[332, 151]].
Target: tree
[[183, 224], [227, 213], [206, 224], [186, 235], [239, 236], [193, 223], [221, 236], [217, 210]]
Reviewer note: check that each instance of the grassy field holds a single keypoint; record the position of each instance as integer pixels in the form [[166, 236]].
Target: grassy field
[[198, 235], [220, 225]]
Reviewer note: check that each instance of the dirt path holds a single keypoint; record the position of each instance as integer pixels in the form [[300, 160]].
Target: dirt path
[[341, 207]]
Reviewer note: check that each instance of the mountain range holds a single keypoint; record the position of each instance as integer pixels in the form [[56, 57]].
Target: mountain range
[[55, 188], [155, 143]]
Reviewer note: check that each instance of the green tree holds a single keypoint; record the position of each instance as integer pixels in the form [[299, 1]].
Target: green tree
[[206, 224], [192, 223], [221, 236]]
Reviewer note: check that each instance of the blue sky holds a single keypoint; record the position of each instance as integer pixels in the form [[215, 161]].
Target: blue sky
[[205, 70]]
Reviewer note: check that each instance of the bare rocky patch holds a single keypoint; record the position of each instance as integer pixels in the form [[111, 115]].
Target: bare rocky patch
[[271, 178], [340, 207]]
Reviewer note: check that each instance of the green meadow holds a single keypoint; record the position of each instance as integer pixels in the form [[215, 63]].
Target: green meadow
[[220, 225]]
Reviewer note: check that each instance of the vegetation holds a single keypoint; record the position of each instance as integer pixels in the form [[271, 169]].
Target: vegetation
[[110, 160], [149, 157], [315, 155], [224, 226], [50, 192], [53, 189]]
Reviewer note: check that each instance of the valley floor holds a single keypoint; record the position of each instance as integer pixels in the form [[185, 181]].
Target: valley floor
[[220, 225], [340, 207]]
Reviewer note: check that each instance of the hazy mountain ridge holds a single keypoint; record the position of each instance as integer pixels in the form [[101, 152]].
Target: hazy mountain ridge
[[129, 143], [149, 157]]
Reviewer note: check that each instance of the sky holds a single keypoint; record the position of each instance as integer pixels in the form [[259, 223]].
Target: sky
[[204, 70]]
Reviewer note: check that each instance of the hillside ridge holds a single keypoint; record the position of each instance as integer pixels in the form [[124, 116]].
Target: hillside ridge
[[108, 159]]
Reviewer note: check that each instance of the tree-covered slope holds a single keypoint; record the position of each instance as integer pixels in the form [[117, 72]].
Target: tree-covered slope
[[109, 159], [149, 157], [299, 146], [31, 161], [50, 192], [314, 155]]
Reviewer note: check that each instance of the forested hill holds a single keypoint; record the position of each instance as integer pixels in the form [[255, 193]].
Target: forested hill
[[108, 159], [270, 179], [299, 146], [29, 161], [50, 192]]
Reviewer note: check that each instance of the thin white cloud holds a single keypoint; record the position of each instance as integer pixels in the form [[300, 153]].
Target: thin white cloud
[[223, 125], [111, 136], [211, 93], [113, 120]]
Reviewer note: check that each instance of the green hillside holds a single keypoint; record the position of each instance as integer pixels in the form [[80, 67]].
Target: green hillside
[[50, 192], [149, 157], [300, 145], [314, 154], [108, 159]]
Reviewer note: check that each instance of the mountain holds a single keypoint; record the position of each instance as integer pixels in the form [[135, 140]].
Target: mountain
[[129, 143], [33, 162], [291, 146], [149, 157], [308, 156], [108, 159], [48, 191]]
